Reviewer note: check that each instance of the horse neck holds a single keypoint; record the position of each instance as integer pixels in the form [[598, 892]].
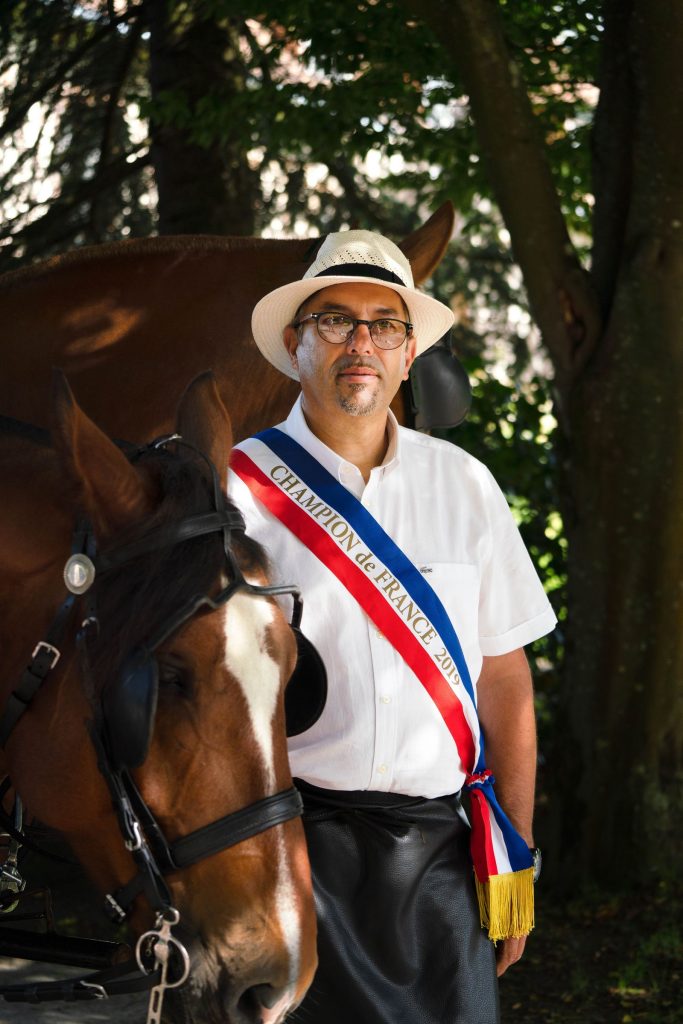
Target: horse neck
[[36, 519]]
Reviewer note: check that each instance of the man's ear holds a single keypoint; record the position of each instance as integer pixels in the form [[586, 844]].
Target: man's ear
[[411, 351], [290, 339]]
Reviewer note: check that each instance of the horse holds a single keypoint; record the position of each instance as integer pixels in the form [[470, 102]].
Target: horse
[[132, 321], [161, 719]]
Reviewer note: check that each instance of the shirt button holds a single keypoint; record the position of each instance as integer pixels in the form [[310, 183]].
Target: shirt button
[[385, 699], [381, 769], [379, 634]]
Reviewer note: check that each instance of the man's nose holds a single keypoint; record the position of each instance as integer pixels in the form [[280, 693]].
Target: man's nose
[[361, 340]]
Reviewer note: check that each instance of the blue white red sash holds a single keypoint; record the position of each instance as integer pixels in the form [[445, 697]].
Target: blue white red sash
[[350, 542]]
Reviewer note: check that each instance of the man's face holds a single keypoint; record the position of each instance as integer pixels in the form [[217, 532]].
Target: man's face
[[355, 377]]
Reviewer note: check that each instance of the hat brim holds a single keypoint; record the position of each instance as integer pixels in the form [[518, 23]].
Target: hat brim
[[430, 318]]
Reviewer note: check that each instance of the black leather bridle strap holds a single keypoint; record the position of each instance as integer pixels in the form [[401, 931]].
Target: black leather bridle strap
[[125, 796], [204, 842], [44, 658], [234, 828], [113, 981], [169, 536]]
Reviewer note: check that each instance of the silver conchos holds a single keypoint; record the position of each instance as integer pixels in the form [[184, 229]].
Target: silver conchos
[[79, 574]]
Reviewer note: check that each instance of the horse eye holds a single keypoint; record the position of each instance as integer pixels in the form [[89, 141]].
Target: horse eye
[[174, 676]]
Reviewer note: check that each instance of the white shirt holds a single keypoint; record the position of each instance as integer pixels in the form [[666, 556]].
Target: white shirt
[[380, 730]]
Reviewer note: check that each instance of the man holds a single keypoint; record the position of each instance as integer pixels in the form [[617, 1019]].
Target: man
[[418, 594]]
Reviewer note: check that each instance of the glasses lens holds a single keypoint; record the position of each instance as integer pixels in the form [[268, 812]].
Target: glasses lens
[[335, 327], [388, 333]]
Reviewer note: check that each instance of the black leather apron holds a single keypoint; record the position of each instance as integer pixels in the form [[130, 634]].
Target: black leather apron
[[399, 938]]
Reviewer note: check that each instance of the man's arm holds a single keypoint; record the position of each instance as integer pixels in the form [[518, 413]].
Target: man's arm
[[506, 714]]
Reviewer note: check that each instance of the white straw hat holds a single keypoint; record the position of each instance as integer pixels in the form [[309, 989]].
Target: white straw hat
[[347, 256]]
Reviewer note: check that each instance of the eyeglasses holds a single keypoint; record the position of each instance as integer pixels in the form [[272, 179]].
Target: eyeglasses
[[337, 328]]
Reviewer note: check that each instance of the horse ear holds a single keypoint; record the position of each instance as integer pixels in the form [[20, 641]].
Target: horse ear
[[426, 246], [110, 491], [203, 420]]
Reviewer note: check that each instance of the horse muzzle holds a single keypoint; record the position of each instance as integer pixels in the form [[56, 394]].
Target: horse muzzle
[[256, 983]]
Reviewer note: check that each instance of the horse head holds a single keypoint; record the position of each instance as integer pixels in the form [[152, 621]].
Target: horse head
[[170, 687]]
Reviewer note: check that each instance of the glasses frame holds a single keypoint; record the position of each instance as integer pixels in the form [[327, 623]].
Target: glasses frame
[[356, 321]]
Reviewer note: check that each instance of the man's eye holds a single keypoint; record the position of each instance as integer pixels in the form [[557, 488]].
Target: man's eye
[[385, 325], [335, 320]]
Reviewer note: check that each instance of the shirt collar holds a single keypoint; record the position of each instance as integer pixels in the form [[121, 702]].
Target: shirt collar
[[340, 468]]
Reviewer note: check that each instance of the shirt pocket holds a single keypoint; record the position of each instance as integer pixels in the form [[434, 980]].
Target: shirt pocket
[[457, 586]]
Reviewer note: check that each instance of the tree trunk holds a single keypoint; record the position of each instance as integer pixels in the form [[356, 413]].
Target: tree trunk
[[202, 188], [620, 754], [616, 340]]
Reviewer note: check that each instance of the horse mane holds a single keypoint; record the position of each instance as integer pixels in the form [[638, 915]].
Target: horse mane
[[135, 600], [130, 248]]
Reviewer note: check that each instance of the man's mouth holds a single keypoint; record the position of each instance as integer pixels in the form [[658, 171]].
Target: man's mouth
[[357, 374]]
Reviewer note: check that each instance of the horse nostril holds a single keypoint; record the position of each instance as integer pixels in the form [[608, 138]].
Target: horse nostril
[[256, 999]]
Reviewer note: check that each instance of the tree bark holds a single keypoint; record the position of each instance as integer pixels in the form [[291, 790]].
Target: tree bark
[[616, 340], [202, 188], [560, 293], [621, 738]]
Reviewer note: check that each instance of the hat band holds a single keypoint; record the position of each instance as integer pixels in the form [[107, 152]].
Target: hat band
[[362, 270]]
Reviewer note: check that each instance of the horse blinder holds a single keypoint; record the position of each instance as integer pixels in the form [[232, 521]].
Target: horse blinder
[[129, 709], [129, 706], [306, 690]]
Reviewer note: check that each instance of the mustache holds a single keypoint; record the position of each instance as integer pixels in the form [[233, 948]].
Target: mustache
[[349, 362]]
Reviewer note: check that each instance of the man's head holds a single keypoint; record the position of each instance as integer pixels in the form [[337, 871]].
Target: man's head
[[345, 258], [351, 345]]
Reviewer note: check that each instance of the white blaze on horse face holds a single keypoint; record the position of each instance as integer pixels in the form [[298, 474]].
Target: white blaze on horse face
[[246, 622], [288, 911]]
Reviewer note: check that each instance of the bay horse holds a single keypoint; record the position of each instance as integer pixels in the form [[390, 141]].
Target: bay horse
[[215, 730], [131, 322]]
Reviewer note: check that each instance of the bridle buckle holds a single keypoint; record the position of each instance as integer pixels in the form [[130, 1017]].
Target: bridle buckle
[[56, 654]]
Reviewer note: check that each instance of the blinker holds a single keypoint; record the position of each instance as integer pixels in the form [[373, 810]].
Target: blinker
[[129, 708], [306, 691], [79, 574]]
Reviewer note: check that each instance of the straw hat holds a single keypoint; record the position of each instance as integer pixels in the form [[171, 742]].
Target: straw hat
[[345, 256]]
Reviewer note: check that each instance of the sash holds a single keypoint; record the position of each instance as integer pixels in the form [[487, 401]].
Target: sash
[[350, 543]]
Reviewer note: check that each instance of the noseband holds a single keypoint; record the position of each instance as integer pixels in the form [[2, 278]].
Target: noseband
[[122, 731]]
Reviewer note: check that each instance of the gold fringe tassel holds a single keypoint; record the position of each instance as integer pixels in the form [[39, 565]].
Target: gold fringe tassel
[[506, 904]]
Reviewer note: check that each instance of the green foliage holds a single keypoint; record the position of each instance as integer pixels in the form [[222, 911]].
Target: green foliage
[[510, 428], [368, 95], [71, 172]]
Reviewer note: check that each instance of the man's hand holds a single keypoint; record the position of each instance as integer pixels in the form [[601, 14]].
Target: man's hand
[[508, 952]]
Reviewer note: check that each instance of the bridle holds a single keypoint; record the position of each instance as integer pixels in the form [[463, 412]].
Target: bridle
[[154, 856]]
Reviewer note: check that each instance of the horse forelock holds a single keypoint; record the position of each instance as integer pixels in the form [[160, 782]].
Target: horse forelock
[[135, 600]]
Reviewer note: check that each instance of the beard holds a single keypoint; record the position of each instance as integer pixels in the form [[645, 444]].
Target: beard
[[358, 399], [355, 403]]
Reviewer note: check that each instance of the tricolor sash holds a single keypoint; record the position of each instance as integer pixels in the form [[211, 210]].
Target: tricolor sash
[[349, 541]]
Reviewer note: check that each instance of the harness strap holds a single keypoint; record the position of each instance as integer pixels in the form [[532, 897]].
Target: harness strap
[[210, 839], [187, 529], [45, 655], [234, 828], [44, 658], [100, 985], [149, 878], [19, 834]]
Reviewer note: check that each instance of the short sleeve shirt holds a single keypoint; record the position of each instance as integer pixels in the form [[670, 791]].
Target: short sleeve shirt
[[380, 730]]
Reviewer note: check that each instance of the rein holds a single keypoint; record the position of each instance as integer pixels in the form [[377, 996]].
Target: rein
[[154, 856]]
